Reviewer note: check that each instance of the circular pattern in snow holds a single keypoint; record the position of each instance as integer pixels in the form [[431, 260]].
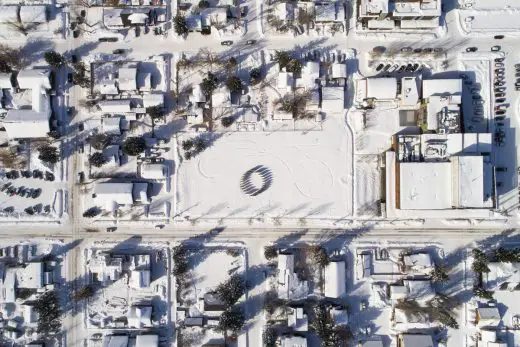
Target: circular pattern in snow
[[256, 180]]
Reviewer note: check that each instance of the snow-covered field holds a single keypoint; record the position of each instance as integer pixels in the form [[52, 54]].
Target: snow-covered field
[[310, 176]]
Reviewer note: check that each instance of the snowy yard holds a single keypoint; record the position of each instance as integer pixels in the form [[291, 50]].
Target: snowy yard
[[309, 175]]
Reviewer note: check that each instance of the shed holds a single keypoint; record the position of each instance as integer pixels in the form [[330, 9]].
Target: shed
[[213, 303], [293, 341], [335, 280], [9, 14], [297, 320], [144, 81], [371, 343], [310, 73], [197, 95], [154, 171], [140, 279], [146, 341], [138, 18], [421, 262], [193, 321], [286, 262], [285, 80], [33, 13]]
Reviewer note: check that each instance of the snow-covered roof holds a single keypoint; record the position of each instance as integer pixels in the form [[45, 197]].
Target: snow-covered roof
[[471, 181], [373, 7], [115, 341], [112, 17], [8, 14], [7, 286], [127, 79], [410, 92], [285, 80], [412, 340], [310, 72], [153, 99], [34, 78], [147, 341], [197, 95], [115, 106], [382, 88], [107, 87], [339, 70], [286, 262], [31, 276], [221, 97], [138, 18], [29, 123], [425, 185], [109, 193], [111, 125], [418, 261], [284, 10], [372, 343], [144, 81], [140, 317], [155, 171], [335, 280], [297, 320], [500, 273], [325, 12], [33, 13], [293, 341], [442, 87], [213, 15], [488, 317], [140, 192], [332, 99]]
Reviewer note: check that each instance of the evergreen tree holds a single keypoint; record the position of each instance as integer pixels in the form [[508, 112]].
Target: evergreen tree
[[232, 319], [97, 159], [180, 25], [48, 154], [134, 146], [54, 59], [231, 290]]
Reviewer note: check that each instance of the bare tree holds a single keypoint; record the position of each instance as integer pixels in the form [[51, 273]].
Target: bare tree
[[21, 27]]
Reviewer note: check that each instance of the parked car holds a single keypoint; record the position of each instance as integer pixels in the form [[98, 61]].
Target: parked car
[[393, 68], [250, 42], [402, 68], [501, 69], [427, 50], [406, 49], [81, 177], [471, 49], [499, 60], [226, 43], [501, 169], [517, 84], [500, 89], [70, 79], [438, 50], [500, 83], [415, 67], [111, 229], [495, 48], [118, 51], [498, 37], [499, 64], [500, 95], [387, 66], [500, 100], [476, 97], [498, 118], [500, 112], [379, 67]]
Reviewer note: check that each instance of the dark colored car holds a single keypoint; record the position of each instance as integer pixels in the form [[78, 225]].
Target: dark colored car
[[387, 66], [498, 37], [70, 79], [402, 68], [250, 42], [501, 169], [118, 51], [500, 112], [501, 100], [428, 50], [497, 118], [379, 67], [226, 43], [471, 49]]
